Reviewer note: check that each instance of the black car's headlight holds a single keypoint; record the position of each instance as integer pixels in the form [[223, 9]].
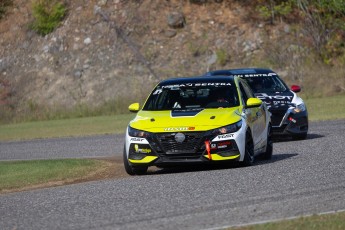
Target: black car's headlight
[[227, 129], [300, 108], [137, 133]]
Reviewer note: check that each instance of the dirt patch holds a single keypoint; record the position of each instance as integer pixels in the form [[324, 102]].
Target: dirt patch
[[112, 168]]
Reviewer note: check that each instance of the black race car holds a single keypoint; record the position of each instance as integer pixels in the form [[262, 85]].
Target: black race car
[[289, 113]]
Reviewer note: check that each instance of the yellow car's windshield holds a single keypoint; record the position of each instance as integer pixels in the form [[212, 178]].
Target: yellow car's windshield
[[193, 96]]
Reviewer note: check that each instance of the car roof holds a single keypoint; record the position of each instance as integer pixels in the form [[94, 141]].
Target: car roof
[[198, 79], [242, 71]]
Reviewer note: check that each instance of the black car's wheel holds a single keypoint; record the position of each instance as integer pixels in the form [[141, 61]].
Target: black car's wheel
[[133, 170], [269, 147], [249, 151]]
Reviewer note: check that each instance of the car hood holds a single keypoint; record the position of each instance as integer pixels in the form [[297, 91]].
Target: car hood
[[277, 100], [185, 120]]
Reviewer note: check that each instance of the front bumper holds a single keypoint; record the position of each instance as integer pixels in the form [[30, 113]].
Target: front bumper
[[161, 149], [292, 124]]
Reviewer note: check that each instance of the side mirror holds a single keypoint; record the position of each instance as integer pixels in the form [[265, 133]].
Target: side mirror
[[253, 102], [135, 107], [295, 88]]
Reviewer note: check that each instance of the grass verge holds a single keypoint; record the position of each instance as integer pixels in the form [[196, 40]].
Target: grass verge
[[66, 127], [326, 108], [334, 221], [27, 175]]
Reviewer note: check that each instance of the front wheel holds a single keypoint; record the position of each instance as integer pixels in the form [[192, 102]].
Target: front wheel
[[133, 170], [249, 151]]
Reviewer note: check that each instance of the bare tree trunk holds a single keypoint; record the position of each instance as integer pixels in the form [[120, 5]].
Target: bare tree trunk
[[119, 32], [315, 27]]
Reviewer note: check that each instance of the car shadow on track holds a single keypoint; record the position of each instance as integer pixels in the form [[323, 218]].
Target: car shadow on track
[[193, 168], [310, 136], [219, 166], [275, 158], [314, 136]]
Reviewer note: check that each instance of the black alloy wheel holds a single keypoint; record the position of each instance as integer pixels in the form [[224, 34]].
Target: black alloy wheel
[[133, 170], [249, 151]]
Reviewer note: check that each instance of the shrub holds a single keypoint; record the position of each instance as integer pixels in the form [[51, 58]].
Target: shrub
[[48, 15], [204, 1], [222, 57], [4, 4], [271, 9], [324, 23]]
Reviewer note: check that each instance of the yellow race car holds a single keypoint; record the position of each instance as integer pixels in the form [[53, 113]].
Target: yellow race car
[[197, 120]]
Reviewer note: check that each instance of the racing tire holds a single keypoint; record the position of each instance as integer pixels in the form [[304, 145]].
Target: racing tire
[[131, 170], [249, 158], [269, 146]]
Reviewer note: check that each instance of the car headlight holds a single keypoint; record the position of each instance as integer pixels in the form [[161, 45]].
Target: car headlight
[[227, 129], [137, 133], [300, 108]]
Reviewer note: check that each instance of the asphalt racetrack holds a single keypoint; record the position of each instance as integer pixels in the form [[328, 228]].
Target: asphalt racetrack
[[302, 178]]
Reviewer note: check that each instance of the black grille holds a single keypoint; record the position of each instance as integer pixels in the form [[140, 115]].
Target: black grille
[[191, 144], [277, 116]]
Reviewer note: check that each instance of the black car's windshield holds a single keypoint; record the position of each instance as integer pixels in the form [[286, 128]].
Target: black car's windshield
[[266, 84], [191, 96]]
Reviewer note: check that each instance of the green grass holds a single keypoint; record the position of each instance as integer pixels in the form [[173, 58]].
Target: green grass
[[326, 108], [48, 14], [21, 174], [334, 221], [66, 127]]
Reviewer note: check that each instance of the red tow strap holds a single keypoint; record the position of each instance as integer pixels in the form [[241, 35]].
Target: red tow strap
[[208, 149]]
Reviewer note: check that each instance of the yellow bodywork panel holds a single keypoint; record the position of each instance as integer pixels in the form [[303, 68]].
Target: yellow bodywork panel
[[135, 107], [207, 119], [145, 160], [216, 157]]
